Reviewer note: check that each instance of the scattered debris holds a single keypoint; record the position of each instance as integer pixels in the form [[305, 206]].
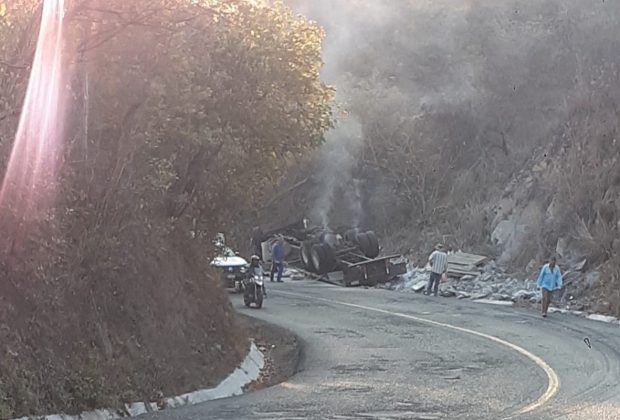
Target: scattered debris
[[492, 286], [419, 286], [495, 302], [602, 318], [461, 264]]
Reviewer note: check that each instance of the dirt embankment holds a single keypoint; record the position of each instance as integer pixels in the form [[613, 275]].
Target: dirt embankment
[[157, 325], [281, 348]]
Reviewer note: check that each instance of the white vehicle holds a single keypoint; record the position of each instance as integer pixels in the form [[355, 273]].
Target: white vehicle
[[232, 266]]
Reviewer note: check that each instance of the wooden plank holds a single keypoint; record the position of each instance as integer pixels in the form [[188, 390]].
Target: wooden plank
[[472, 272], [466, 259], [472, 260]]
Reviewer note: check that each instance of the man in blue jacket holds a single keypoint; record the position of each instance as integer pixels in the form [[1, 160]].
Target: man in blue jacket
[[549, 279]]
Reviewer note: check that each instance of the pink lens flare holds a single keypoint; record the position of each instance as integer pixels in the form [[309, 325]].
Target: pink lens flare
[[29, 183]]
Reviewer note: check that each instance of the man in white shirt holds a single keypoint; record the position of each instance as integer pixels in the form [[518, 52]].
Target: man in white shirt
[[438, 261]]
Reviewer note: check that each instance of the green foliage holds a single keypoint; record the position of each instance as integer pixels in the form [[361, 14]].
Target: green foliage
[[210, 97], [182, 112]]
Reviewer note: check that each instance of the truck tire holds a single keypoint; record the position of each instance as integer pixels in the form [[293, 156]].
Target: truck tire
[[323, 258], [330, 239], [305, 254], [373, 245], [363, 242], [351, 235]]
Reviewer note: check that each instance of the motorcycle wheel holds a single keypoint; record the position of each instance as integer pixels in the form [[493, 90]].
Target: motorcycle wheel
[[247, 298], [259, 298]]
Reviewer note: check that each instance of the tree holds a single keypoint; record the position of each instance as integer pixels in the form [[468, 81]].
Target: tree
[[183, 111]]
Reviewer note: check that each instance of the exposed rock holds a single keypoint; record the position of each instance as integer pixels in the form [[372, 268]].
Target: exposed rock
[[477, 296], [593, 279], [486, 277], [523, 295], [602, 318], [447, 293], [495, 302], [419, 286], [531, 266], [580, 265]]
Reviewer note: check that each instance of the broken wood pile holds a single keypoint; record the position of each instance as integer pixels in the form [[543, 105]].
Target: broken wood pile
[[462, 264]]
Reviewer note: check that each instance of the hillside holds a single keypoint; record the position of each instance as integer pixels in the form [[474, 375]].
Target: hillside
[[487, 125], [107, 294]]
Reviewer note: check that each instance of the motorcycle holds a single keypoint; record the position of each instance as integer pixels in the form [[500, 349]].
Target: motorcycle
[[253, 291]]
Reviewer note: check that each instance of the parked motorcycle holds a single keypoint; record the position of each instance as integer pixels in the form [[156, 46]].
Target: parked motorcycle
[[253, 291]]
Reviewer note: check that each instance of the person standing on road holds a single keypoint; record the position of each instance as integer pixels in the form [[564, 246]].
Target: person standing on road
[[549, 279], [439, 266], [277, 259]]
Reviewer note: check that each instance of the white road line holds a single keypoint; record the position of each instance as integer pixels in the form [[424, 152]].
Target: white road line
[[553, 383]]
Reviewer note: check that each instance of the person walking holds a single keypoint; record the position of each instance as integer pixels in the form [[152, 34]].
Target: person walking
[[549, 279], [438, 261], [277, 259]]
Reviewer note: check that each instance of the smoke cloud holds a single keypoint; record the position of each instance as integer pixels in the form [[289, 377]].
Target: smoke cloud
[[337, 158], [359, 42]]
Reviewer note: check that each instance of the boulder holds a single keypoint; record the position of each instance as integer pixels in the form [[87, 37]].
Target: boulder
[[447, 293], [477, 296], [419, 286], [486, 277], [531, 266], [593, 279], [601, 318], [523, 295]]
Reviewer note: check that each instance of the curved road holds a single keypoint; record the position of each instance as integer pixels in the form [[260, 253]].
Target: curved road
[[376, 354]]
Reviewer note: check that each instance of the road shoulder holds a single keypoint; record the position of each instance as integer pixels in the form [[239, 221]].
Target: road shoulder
[[282, 350]]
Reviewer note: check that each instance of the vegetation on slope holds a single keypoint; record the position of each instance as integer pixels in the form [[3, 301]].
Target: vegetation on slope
[[181, 111]]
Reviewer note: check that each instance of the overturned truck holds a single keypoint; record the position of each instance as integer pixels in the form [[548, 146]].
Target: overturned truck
[[350, 257]]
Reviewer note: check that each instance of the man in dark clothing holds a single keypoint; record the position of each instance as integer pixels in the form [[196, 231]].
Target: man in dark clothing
[[277, 259]]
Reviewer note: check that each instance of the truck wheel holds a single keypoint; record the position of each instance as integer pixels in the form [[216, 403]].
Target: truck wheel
[[363, 242], [373, 245], [317, 257], [323, 258], [351, 235], [305, 252], [330, 257]]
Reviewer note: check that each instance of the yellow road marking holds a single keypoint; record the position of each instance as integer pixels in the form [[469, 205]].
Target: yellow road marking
[[553, 383]]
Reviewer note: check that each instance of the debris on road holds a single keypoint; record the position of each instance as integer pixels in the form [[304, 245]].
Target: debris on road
[[461, 264]]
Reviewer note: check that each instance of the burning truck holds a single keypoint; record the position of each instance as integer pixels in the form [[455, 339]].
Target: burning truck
[[346, 256]]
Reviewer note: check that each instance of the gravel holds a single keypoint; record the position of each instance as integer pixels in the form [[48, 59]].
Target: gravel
[[493, 285]]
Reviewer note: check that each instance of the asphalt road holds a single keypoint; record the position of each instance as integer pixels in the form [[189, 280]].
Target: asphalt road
[[377, 354]]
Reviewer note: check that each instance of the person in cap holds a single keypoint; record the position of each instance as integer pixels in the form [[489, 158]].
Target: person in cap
[[438, 261]]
